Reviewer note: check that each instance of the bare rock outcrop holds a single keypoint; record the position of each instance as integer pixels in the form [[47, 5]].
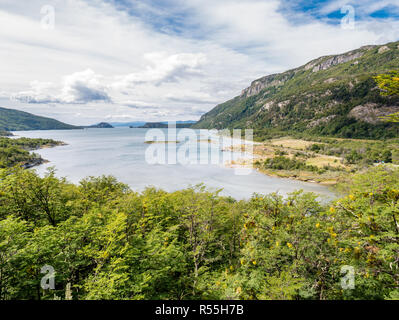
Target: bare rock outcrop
[[371, 112], [320, 121], [335, 60], [263, 83], [383, 49]]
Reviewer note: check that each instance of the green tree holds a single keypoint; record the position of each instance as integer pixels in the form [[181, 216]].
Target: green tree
[[107, 242], [34, 198], [389, 85]]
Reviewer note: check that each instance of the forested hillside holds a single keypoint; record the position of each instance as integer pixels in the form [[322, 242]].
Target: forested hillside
[[14, 120], [333, 95]]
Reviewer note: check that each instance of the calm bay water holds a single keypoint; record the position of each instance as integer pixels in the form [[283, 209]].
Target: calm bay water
[[121, 152]]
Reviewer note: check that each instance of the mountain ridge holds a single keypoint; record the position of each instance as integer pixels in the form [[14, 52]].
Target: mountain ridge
[[332, 95], [15, 120]]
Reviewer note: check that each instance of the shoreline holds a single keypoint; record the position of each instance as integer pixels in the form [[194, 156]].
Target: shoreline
[[283, 174], [330, 178], [39, 161]]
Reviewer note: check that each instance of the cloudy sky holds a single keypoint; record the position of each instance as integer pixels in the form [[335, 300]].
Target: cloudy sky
[[83, 62]]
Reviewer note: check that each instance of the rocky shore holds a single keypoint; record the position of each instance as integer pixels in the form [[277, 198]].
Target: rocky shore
[[39, 160]]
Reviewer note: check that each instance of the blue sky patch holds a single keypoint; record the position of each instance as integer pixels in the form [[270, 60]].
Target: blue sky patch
[[299, 10], [386, 12]]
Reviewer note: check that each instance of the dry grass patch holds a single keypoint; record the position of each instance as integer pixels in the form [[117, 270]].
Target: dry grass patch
[[296, 144], [264, 151], [321, 161]]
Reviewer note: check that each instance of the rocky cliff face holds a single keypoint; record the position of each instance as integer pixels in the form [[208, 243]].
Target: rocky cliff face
[[323, 63], [333, 61], [257, 86]]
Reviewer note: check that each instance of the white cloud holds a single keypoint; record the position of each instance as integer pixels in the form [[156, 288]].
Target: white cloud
[[78, 88], [164, 68], [83, 87], [99, 60], [191, 97], [38, 93]]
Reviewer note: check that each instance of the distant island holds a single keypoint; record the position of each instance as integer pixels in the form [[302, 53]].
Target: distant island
[[102, 125]]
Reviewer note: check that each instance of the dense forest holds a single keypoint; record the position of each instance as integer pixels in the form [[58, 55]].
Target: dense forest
[[106, 241], [15, 152]]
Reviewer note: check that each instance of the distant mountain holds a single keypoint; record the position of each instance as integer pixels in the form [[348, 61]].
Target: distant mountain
[[14, 120], [333, 95], [137, 124], [183, 122], [165, 124], [101, 125], [134, 124]]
